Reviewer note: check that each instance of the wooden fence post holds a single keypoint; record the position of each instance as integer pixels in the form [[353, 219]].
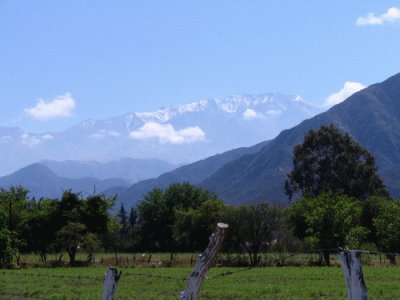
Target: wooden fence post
[[206, 260], [110, 283], [352, 268]]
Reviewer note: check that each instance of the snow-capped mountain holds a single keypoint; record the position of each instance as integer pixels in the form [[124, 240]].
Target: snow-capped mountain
[[179, 134]]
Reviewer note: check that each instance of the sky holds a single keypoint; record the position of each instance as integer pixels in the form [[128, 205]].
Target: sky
[[63, 62]]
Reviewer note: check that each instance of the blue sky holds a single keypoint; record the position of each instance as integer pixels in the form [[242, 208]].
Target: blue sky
[[98, 59]]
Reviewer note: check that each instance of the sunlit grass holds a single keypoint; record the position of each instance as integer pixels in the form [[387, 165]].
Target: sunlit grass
[[257, 283]]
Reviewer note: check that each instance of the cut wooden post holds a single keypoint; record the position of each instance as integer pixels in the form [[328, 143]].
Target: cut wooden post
[[206, 260], [110, 283], [353, 274]]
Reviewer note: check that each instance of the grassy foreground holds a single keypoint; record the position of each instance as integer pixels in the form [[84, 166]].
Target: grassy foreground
[[136, 283]]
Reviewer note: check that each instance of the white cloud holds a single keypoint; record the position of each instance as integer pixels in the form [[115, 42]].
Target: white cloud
[[249, 114], [103, 133], [30, 140], [390, 16], [61, 106], [47, 137], [274, 112], [348, 89], [34, 140], [5, 139], [166, 133]]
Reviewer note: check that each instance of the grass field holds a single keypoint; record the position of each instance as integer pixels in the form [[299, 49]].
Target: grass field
[[143, 283]]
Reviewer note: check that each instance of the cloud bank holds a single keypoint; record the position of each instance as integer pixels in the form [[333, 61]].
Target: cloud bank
[[61, 106], [104, 133], [166, 133], [390, 16], [249, 114], [348, 89], [34, 140]]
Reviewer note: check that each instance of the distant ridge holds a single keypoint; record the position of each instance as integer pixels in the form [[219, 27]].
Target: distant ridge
[[42, 182], [131, 170]]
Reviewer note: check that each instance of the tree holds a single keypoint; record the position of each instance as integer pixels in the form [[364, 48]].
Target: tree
[[328, 221], [41, 226], [254, 227], [193, 227], [14, 206], [123, 221], [70, 238], [330, 161], [387, 228], [8, 242], [14, 203], [157, 213], [9, 246], [77, 217], [132, 218], [94, 213]]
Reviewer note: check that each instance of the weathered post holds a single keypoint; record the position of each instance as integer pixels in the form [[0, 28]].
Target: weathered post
[[206, 260], [353, 274], [110, 283]]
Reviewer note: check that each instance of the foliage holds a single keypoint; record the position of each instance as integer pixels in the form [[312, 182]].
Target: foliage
[[387, 227], [50, 224], [123, 221], [329, 220], [9, 246], [158, 210], [70, 238], [14, 204], [253, 227], [193, 227], [328, 160], [40, 226]]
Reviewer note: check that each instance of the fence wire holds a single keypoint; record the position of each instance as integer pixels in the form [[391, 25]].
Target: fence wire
[[154, 276], [78, 277]]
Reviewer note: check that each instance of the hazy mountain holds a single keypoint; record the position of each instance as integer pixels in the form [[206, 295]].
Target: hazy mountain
[[371, 117], [180, 134], [42, 182], [131, 170], [193, 173]]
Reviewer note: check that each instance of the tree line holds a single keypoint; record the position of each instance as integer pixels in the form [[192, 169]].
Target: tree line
[[337, 200]]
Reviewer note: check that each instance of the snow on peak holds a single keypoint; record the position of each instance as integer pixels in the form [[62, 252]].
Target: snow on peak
[[233, 104], [165, 114]]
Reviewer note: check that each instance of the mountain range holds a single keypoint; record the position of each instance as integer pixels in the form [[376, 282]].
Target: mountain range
[[257, 173], [371, 117], [179, 134]]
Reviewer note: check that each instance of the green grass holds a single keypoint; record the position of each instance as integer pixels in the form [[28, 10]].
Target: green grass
[[258, 283]]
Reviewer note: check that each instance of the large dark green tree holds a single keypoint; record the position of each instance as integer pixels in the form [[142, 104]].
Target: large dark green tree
[[328, 160], [193, 227], [40, 226], [158, 210], [82, 222]]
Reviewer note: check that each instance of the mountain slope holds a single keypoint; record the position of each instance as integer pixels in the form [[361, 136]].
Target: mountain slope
[[42, 182], [371, 117], [193, 173]]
